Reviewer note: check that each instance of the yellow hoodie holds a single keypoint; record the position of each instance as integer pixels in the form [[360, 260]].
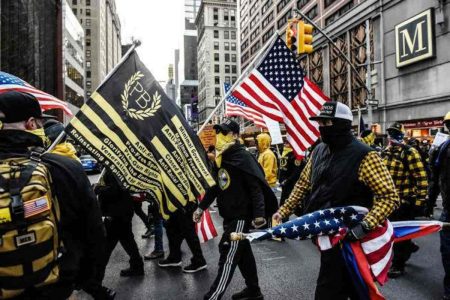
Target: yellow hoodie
[[66, 149], [267, 159]]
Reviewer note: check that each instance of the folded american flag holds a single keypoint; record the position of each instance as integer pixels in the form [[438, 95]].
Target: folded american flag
[[205, 229], [10, 82]]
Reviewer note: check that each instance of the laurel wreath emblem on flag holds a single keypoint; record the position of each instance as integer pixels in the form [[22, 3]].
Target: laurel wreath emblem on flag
[[139, 114]]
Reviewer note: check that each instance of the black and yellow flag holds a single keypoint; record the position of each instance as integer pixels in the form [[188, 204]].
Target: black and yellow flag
[[132, 128]]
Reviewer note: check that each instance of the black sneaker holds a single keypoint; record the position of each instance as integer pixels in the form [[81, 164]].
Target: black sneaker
[[154, 255], [169, 263], [148, 234], [396, 272], [194, 267], [133, 272], [247, 294]]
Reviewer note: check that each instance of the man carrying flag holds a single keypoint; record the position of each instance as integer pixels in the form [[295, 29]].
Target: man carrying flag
[[243, 198], [342, 171]]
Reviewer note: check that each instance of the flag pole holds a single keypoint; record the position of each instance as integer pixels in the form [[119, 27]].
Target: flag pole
[[254, 62], [136, 43]]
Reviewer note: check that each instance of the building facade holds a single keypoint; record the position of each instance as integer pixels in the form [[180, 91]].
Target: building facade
[[409, 61], [103, 38], [217, 53], [73, 54]]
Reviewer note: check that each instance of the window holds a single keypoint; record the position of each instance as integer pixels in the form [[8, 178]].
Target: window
[[227, 69], [233, 46], [254, 34], [225, 15], [88, 12], [327, 3], [217, 80], [281, 22], [88, 64], [88, 22], [233, 79], [233, 57], [74, 2], [216, 68], [88, 84], [216, 34], [217, 91], [244, 45], [88, 42], [254, 48], [301, 3], [81, 21], [266, 6], [313, 12], [227, 57], [226, 34], [233, 35], [268, 34], [216, 56], [339, 13], [74, 11], [88, 74], [227, 46], [227, 79], [267, 20], [216, 45], [88, 94], [234, 69], [281, 5], [216, 14], [88, 32], [88, 53], [88, 2]]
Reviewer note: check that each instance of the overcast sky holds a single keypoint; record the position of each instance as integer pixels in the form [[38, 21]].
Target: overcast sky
[[158, 24]]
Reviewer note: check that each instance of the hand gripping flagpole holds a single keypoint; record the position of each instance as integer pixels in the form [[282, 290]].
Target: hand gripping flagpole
[[136, 43], [256, 60]]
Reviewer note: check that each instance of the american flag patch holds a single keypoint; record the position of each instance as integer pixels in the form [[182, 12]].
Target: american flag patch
[[36, 206]]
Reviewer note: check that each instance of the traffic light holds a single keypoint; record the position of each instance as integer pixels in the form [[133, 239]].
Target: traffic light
[[291, 35], [304, 38]]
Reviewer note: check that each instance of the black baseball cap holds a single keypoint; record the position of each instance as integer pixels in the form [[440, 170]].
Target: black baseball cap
[[227, 126], [19, 106], [396, 126]]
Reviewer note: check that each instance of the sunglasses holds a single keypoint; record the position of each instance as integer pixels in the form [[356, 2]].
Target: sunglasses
[[224, 132]]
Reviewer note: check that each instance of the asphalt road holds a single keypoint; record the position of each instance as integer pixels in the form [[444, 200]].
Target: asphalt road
[[287, 270]]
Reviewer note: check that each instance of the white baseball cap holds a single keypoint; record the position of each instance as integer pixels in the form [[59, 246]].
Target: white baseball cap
[[334, 110]]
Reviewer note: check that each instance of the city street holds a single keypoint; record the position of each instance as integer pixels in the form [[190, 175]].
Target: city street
[[286, 271]]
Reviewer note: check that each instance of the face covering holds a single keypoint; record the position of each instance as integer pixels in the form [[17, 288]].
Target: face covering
[[286, 151], [337, 135], [396, 137], [40, 133], [223, 142]]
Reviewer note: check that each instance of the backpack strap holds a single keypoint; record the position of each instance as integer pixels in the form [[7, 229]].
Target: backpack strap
[[16, 185]]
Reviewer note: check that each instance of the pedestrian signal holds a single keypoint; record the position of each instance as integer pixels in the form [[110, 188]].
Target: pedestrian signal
[[304, 38]]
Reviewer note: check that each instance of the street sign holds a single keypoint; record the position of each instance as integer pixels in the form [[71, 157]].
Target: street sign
[[372, 102]]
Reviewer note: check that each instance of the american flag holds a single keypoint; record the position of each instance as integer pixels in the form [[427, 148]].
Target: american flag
[[278, 88], [10, 82], [205, 228], [36, 206], [235, 107], [369, 258]]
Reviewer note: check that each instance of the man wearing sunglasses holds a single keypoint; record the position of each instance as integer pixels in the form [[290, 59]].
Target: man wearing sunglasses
[[244, 198]]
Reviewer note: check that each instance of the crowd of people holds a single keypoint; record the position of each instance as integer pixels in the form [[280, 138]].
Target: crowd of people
[[76, 225]]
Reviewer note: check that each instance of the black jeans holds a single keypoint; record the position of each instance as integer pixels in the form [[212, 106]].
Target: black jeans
[[119, 229], [232, 254], [180, 227], [334, 280], [137, 206], [404, 249]]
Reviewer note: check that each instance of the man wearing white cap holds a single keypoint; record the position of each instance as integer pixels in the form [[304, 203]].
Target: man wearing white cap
[[341, 172]]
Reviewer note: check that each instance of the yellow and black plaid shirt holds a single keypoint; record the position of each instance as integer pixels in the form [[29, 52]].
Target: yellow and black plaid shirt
[[407, 171], [372, 172]]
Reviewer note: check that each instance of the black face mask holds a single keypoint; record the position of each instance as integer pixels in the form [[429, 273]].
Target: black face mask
[[338, 135]]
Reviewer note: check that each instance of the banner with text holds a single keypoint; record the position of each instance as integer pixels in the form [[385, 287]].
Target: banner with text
[[140, 135]]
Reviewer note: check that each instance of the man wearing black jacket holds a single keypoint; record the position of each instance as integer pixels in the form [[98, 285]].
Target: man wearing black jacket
[[244, 198], [81, 225]]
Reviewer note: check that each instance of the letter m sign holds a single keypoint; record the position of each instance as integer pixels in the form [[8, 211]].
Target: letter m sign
[[414, 39]]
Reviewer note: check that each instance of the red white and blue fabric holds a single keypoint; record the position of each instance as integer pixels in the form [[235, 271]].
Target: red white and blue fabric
[[234, 107], [406, 230], [10, 82], [205, 228], [278, 88]]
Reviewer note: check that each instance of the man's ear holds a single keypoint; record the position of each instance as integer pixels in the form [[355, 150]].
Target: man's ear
[[31, 124]]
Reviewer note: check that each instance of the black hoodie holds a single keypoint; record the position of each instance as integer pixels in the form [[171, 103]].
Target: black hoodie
[[242, 191]]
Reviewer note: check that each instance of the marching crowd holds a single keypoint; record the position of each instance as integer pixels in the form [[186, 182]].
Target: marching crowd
[[76, 225]]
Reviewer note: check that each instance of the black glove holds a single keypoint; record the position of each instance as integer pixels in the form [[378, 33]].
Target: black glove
[[357, 232], [420, 208]]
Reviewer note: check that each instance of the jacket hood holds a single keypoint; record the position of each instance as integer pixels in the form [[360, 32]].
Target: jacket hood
[[66, 149], [263, 140], [18, 141]]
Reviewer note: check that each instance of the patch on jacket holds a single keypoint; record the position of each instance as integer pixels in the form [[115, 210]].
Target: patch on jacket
[[224, 179]]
